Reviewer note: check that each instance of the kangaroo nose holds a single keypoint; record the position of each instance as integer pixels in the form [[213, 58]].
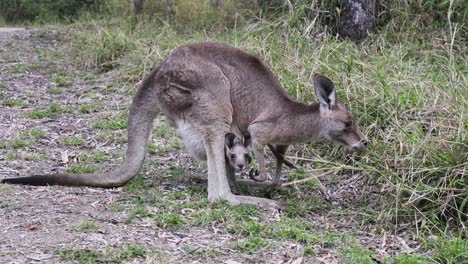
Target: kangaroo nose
[[365, 142]]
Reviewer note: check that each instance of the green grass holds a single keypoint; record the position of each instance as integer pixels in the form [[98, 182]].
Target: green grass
[[36, 157], [356, 255], [54, 90], [168, 220], [15, 144], [90, 108], [61, 80], [82, 168], [449, 250], [53, 111], [37, 134], [19, 68], [410, 259], [73, 141], [83, 256], [116, 207], [13, 103], [109, 255], [100, 156], [85, 226], [112, 123], [252, 245]]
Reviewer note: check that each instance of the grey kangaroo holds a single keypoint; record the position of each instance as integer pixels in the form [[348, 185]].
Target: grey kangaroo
[[209, 90]]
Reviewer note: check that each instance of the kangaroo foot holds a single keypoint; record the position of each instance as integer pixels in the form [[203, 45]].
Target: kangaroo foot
[[259, 202]]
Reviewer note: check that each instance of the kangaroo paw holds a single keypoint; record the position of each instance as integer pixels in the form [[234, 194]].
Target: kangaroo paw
[[253, 174]]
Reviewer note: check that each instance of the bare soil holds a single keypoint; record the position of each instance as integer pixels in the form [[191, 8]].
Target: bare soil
[[37, 223]]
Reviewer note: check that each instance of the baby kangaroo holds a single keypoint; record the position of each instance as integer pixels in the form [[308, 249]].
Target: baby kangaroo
[[237, 157]]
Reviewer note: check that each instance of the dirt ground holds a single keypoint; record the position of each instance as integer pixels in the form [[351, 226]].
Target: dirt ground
[[36, 223]]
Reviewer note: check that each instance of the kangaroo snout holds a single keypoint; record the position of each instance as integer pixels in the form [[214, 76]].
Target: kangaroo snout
[[361, 145]]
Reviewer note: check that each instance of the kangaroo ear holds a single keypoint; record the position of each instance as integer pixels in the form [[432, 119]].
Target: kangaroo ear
[[229, 140], [325, 91], [247, 141]]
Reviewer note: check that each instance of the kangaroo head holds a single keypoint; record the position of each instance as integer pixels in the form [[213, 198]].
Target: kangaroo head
[[337, 123], [237, 152]]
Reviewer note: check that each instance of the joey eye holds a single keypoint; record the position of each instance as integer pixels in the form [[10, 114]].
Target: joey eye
[[348, 124], [233, 156], [246, 156]]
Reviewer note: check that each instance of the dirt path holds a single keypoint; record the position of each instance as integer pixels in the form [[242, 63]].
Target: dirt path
[[156, 223]]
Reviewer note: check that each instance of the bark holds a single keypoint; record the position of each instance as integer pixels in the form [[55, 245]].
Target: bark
[[357, 19]]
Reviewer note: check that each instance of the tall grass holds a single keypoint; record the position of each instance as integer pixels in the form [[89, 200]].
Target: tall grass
[[406, 84]]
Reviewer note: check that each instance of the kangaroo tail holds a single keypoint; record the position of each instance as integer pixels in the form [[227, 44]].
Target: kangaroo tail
[[140, 121]]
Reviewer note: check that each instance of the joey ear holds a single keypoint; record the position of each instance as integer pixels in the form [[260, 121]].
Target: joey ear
[[325, 91], [247, 140], [229, 140]]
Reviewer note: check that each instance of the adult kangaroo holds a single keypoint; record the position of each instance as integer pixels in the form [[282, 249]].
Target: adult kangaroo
[[209, 90]]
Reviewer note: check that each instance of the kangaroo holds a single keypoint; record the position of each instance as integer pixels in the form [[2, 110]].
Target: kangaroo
[[213, 89]]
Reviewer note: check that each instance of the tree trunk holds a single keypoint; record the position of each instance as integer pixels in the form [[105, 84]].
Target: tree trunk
[[356, 19]]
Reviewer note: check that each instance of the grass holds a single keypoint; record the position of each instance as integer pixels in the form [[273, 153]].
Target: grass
[[82, 168], [51, 112], [84, 256], [73, 141], [90, 108], [449, 250], [13, 103], [253, 244], [85, 226], [356, 255], [61, 80], [112, 123], [14, 144], [110, 255], [34, 133], [54, 90]]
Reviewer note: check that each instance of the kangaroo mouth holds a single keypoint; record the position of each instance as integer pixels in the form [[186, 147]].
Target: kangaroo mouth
[[358, 149], [237, 169]]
